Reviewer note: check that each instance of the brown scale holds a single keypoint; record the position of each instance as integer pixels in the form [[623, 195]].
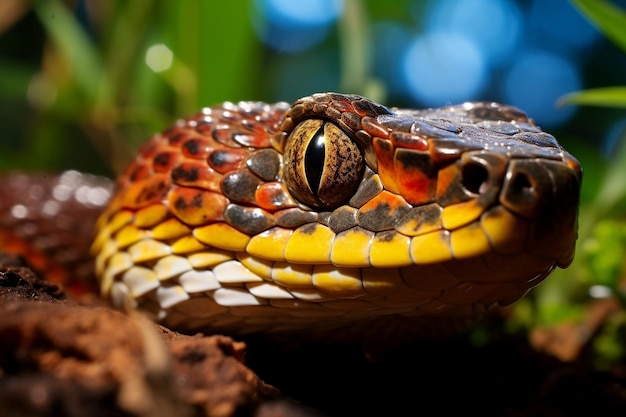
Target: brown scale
[[49, 220]]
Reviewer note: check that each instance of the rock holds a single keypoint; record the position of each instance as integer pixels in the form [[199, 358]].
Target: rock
[[18, 281], [61, 358]]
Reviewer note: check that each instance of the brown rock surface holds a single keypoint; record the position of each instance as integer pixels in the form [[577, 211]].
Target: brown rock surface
[[61, 358]]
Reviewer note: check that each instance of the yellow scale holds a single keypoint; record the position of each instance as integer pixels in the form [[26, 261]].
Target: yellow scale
[[310, 263]]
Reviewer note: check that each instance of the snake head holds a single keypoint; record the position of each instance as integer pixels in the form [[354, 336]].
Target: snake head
[[337, 212]]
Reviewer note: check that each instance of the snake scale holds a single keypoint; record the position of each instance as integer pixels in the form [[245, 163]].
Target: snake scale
[[331, 213]]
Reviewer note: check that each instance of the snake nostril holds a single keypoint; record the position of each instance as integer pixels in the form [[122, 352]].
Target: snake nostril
[[521, 183], [528, 187], [475, 178]]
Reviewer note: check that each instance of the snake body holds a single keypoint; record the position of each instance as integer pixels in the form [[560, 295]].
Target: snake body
[[336, 212]]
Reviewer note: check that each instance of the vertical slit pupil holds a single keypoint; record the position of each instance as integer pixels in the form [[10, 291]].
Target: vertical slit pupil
[[314, 158]]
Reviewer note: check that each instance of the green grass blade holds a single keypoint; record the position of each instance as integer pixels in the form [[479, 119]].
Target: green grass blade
[[605, 97], [613, 188], [127, 28], [608, 18], [74, 44]]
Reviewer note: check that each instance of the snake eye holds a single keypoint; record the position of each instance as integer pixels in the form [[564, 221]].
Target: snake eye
[[323, 166]]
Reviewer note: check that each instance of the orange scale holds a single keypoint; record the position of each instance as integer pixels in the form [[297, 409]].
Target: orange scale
[[261, 135], [177, 136], [253, 139], [197, 174], [273, 196], [146, 191], [225, 160], [148, 149], [197, 148], [223, 133], [446, 178], [392, 203], [384, 153], [205, 126], [249, 124], [408, 140], [137, 171], [416, 176], [165, 161], [196, 207], [370, 126], [573, 163]]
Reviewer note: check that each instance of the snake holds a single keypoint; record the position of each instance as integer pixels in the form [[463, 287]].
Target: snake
[[333, 213]]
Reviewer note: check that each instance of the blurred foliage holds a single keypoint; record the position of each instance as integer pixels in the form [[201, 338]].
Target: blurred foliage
[[611, 21], [90, 96], [76, 93]]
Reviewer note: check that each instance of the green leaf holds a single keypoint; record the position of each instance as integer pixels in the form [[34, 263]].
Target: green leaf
[[603, 253], [125, 34], [613, 188], [75, 45], [606, 97], [608, 18]]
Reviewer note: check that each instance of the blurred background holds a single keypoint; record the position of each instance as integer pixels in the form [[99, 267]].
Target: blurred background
[[84, 82]]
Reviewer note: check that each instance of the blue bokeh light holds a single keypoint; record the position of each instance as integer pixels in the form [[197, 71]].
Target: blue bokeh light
[[493, 26], [303, 12], [390, 40], [557, 25], [289, 26], [536, 81], [443, 68], [524, 52]]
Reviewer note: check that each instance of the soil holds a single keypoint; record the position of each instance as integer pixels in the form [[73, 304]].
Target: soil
[[75, 356]]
